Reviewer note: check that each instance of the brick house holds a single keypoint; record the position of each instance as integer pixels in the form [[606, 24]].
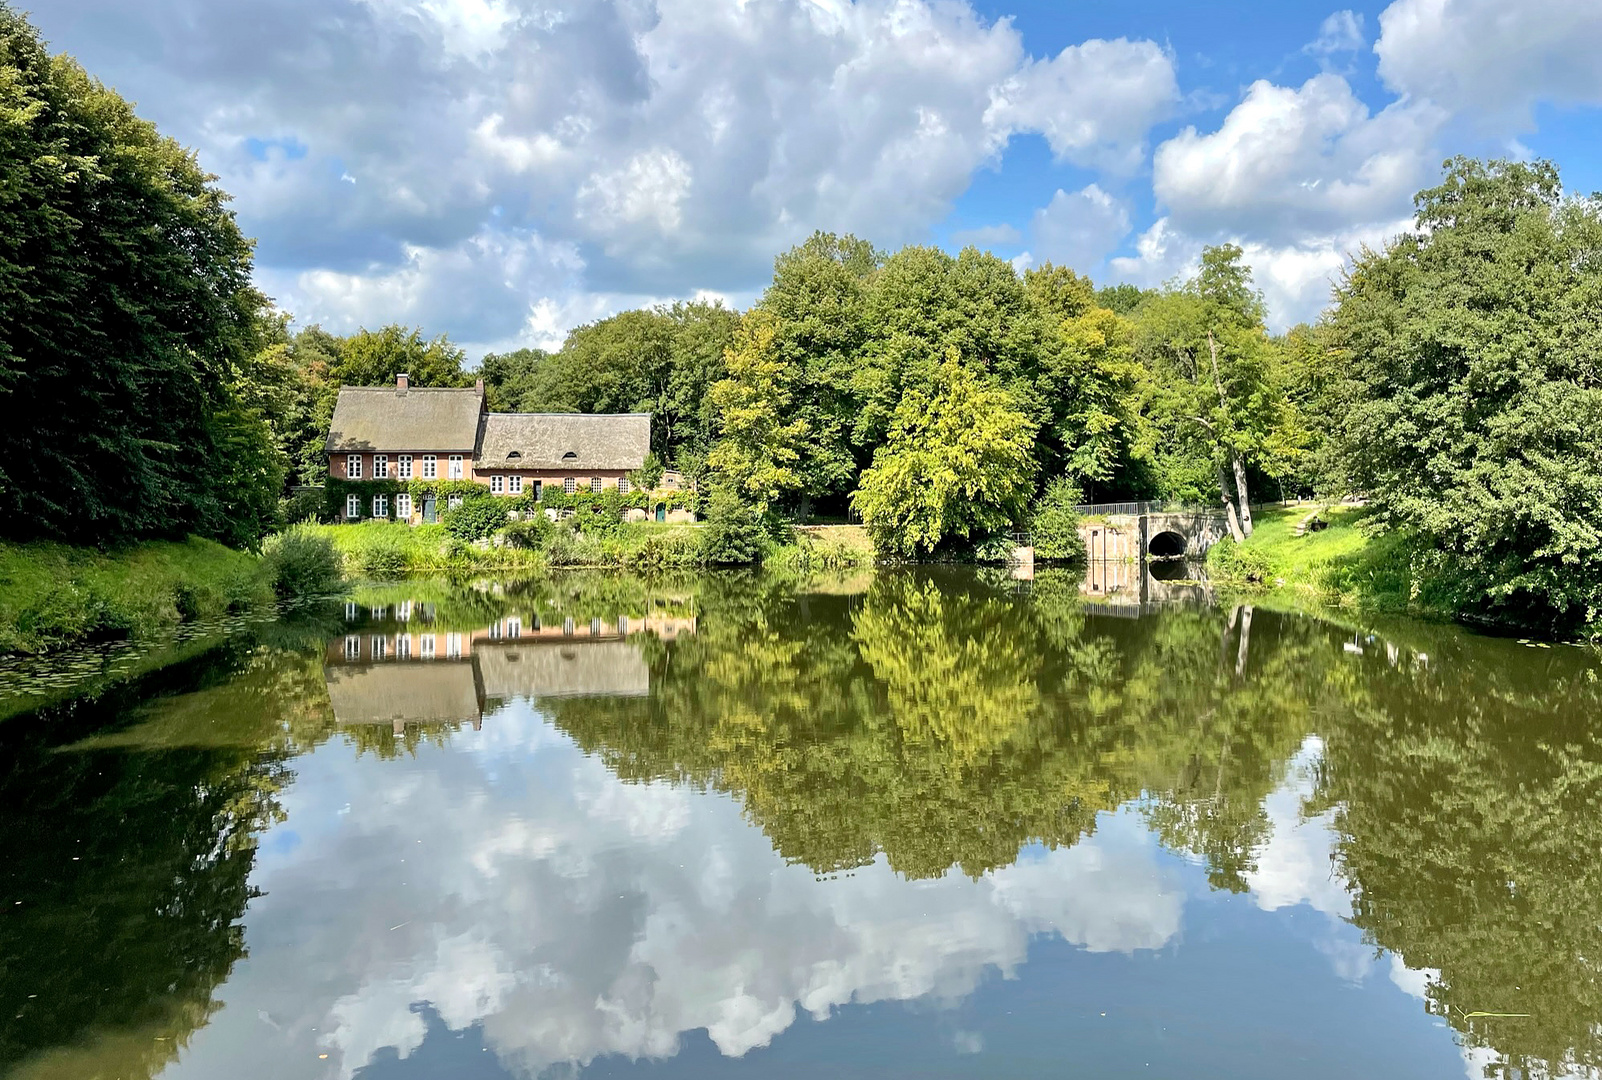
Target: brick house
[[415, 433]]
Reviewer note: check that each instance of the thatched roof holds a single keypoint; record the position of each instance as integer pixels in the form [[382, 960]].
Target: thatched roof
[[387, 419], [433, 692], [612, 441], [562, 669]]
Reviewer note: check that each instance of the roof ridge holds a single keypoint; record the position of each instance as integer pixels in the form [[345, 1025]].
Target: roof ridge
[[599, 415]]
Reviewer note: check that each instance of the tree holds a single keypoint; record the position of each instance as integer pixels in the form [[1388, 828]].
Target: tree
[[957, 463], [126, 319], [1217, 388], [1474, 346], [758, 451]]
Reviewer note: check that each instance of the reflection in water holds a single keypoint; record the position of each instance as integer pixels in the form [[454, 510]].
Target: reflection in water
[[695, 818]]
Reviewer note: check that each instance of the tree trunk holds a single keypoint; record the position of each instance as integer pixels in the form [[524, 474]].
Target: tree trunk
[[1229, 506], [1245, 496], [1245, 640]]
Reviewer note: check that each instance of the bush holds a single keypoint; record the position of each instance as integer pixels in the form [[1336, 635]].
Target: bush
[[565, 547], [384, 553], [305, 506], [476, 519], [302, 563], [531, 533], [734, 534], [1238, 564], [1053, 524]]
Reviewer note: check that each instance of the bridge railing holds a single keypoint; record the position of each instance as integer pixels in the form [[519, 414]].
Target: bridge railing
[[1137, 508]]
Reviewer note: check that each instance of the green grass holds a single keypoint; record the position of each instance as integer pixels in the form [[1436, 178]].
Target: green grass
[[52, 595], [1349, 564], [378, 549]]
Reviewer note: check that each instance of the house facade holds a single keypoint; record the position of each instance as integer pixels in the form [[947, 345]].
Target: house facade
[[406, 433]]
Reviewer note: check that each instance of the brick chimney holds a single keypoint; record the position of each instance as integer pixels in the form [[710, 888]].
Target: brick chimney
[[479, 386], [401, 382]]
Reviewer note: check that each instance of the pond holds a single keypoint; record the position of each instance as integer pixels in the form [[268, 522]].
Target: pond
[[936, 823]]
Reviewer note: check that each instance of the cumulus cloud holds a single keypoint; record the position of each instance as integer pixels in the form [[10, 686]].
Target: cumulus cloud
[[654, 148], [1341, 32], [514, 883], [1078, 230], [1490, 60]]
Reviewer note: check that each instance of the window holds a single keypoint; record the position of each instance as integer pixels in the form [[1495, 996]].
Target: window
[[595, 484], [380, 646], [595, 628], [403, 647], [353, 647], [570, 456], [403, 467], [403, 506], [456, 466], [623, 484], [569, 485], [378, 613], [425, 645], [453, 645], [452, 502], [623, 625], [430, 467], [514, 627], [353, 506], [380, 506], [497, 484], [539, 490], [403, 611], [514, 484], [353, 467], [567, 626], [380, 466], [350, 611]]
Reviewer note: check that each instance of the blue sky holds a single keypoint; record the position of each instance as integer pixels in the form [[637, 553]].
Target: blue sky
[[502, 170]]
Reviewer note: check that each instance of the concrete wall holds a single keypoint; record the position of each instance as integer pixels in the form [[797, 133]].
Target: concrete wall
[[1126, 537]]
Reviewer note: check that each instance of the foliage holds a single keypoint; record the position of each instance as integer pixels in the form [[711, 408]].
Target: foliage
[[52, 595], [734, 532], [478, 518], [302, 564], [1054, 525], [956, 464], [1475, 390], [758, 450], [391, 549], [127, 322]]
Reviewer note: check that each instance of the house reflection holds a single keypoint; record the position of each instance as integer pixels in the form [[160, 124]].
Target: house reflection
[[394, 668]]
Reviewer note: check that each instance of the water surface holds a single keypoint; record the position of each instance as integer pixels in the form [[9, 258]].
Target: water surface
[[924, 824]]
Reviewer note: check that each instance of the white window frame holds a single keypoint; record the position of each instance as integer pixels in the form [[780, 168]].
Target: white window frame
[[430, 467], [514, 484], [623, 485], [453, 646], [403, 466], [403, 506], [425, 646], [514, 627], [350, 611], [353, 647], [595, 485], [569, 485], [455, 465], [380, 646], [353, 466], [381, 506], [403, 611], [453, 501], [380, 466], [497, 484], [353, 506], [403, 646]]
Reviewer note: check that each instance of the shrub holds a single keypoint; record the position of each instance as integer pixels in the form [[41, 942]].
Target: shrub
[[305, 506], [565, 547], [1235, 563], [384, 552], [302, 563], [1053, 525], [531, 533], [476, 519], [734, 534]]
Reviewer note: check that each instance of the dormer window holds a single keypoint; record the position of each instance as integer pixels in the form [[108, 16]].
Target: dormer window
[[570, 456], [515, 455]]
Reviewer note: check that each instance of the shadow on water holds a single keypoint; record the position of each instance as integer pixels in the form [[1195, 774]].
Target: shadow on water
[[931, 723]]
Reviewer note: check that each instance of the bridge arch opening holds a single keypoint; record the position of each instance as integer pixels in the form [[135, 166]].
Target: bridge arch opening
[[1167, 545]]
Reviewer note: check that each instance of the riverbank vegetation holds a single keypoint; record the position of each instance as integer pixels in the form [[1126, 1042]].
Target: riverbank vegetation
[[933, 397], [55, 594]]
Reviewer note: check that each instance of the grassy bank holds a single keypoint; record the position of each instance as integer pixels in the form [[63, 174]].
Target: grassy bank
[[379, 549], [52, 595], [1345, 564]]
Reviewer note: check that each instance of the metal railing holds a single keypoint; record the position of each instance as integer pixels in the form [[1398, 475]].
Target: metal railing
[[1134, 509]]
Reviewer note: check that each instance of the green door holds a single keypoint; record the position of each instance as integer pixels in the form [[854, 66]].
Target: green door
[[428, 509], [661, 511]]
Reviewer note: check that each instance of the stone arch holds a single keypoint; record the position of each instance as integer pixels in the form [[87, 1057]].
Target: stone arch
[[1167, 544]]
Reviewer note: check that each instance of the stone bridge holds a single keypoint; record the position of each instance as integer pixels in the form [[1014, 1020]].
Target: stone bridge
[[1134, 532]]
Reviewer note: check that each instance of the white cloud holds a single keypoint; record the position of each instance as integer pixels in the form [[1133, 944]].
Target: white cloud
[[1291, 164], [1490, 60], [1078, 230], [1093, 102], [1341, 32]]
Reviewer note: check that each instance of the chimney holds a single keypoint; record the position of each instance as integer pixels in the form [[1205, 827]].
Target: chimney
[[479, 386], [401, 382]]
